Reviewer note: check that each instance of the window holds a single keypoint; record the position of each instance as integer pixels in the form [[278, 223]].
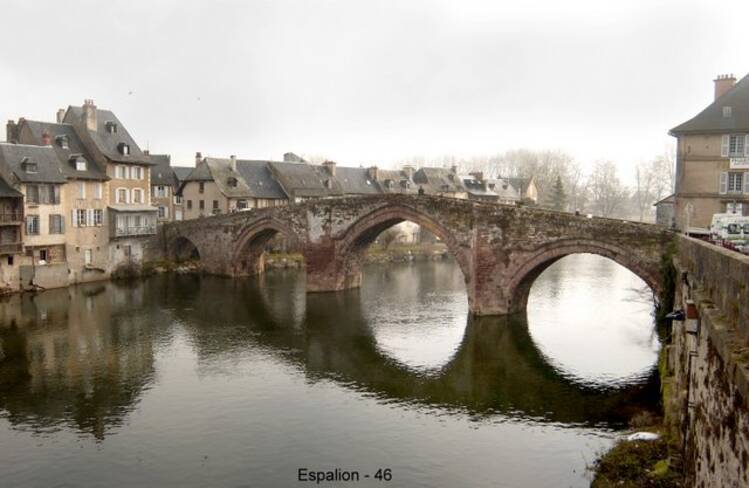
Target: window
[[56, 224], [88, 256], [29, 166], [734, 207], [80, 217], [734, 182], [189, 205], [232, 181], [43, 255], [734, 145], [124, 149], [121, 172], [160, 191], [32, 193], [163, 212], [201, 204], [62, 141], [111, 127], [10, 260], [215, 205], [242, 204], [45, 194], [201, 187], [32, 225], [80, 164], [136, 173], [81, 189], [727, 112], [122, 195], [98, 190], [177, 199], [98, 217], [137, 195]]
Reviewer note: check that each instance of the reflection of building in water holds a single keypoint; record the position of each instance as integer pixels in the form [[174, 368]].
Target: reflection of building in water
[[74, 356]]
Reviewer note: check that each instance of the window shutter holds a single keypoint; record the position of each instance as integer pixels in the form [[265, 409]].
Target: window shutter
[[724, 143], [746, 145], [73, 220], [62, 224], [723, 183], [745, 176], [56, 193], [90, 217]]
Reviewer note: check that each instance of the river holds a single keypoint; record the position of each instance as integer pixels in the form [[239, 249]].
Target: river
[[181, 380]]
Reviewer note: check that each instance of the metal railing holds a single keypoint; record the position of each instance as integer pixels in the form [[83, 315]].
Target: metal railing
[[11, 248], [6, 217], [142, 230]]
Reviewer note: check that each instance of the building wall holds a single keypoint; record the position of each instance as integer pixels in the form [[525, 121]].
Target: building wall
[[191, 193], [87, 238], [698, 168], [44, 239], [128, 183], [167, 201]]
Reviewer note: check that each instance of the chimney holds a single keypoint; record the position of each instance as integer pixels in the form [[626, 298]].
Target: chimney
[[233, 162], [723, 83], [330, 167], [373, 173], [11, 131], [146, 152], [89, 115], [198, 158], [454, 169], [409, 171], [46, 139], [60, 115]]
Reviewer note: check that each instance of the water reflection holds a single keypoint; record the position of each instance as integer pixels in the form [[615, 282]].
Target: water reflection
[[82, 358]]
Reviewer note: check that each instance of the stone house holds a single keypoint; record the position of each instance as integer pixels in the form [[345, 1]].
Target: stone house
[[127, 194], [180, 175], [394, 181], [11, 235], [664, 211], [303, 181], [35, 171], [83, 196], [219, 185], [525, 187], [164, 186], [478, 188], [712, 157], [440, 181], [352, 181]]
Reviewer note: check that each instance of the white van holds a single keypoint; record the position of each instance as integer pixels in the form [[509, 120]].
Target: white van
[[732, 229]]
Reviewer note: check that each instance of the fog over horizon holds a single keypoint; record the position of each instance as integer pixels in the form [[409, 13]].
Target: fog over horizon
[[376, 82]]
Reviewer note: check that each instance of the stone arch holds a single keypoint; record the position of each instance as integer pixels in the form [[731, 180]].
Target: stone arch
[[523, 275], [184, 249], [357, 237], [247, 257]]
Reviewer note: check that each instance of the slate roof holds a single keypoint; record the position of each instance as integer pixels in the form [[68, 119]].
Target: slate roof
[[258, 177], [395, 181], [7, 191], [520, 184], [106, 143], [48, 170], [356, 181], [503, 189], [711, 119], [302, 180], [438, 180], [199, 173], [476, 188], [182, 172], [67, 157], [162, 172]]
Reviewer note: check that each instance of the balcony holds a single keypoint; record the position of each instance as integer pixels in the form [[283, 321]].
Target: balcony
[[143, 230], [12, 218], [11, 247]]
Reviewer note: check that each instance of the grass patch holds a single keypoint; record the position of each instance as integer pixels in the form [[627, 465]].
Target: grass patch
[[637, 464]]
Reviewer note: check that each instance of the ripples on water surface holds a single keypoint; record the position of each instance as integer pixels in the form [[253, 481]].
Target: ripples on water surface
[[188, 381]]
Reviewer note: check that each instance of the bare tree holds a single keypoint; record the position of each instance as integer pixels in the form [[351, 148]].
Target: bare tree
[[388, 237], [608, 195]]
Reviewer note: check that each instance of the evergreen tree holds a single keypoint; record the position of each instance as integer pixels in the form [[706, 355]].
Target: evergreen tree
[[557, 196]]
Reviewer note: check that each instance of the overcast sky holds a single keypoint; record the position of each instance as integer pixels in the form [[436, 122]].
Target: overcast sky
[[370, 81]]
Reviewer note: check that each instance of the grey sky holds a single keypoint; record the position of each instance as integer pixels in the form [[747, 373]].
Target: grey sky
[[375, 82]]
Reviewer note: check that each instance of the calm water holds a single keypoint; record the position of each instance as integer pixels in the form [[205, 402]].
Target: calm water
[[188, 381]]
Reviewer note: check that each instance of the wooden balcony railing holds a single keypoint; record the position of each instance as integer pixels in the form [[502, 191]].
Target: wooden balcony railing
[[11, 247], [11, 217]]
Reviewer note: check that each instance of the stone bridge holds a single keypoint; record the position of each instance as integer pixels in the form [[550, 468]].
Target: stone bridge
[[501, 249]]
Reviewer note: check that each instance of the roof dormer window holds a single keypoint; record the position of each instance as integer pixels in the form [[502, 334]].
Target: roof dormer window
[[727, 112], [63, 141], [29, 166], [124, 149], [232, 182], [111, 127]]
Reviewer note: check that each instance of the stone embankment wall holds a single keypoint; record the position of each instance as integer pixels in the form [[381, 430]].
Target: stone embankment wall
[[706, 379]]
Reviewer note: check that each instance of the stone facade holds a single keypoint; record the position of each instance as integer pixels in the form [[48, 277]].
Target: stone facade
[[500, 248]]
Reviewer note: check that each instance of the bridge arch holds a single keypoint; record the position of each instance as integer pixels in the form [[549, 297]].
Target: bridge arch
[[183, 248], [247, 257], [524, 274], [356, 239]]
